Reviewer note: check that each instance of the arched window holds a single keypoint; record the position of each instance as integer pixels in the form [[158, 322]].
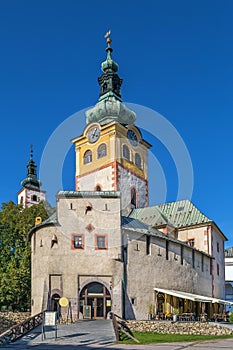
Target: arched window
[[102, 150], [133, 198], [138, 160], [87, 158], [126, 153], [98, 188], [105, 87]]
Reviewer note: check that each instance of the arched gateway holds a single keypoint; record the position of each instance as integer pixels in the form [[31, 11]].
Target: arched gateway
[[97, 296]]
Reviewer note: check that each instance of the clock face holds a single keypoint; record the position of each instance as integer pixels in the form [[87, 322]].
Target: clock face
[[132, 137], [93, 134]]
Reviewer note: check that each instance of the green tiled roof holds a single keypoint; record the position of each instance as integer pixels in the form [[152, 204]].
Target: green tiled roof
[[178, 214]]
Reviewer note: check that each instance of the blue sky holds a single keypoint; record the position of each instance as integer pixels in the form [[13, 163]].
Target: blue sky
[[175, 57]]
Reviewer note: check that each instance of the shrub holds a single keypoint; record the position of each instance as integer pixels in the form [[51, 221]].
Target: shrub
[[231, 317]]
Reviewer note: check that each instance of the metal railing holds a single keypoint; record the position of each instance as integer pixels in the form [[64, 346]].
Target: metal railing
[[19, 330]]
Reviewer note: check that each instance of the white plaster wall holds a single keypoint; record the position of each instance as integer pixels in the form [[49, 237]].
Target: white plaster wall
[[127, 180], [229, 269], [103, 177], [219, 259], [198, 233], [26, 194]]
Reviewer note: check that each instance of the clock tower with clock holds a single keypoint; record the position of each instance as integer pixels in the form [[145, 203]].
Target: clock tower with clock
[[111, 154]]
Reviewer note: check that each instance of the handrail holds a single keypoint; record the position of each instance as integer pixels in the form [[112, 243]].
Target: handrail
[[121, 326], [115, 326], [17, 331]]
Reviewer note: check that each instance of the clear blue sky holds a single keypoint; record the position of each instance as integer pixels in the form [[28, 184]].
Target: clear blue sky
[[175, 57]]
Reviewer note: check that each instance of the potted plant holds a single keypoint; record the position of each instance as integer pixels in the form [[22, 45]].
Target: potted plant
[[150, 311], [175, 313]]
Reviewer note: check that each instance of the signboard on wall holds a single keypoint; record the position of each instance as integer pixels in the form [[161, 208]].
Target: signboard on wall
[[87, 311]]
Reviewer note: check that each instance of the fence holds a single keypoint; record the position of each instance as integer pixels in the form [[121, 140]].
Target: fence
[[19, 330]]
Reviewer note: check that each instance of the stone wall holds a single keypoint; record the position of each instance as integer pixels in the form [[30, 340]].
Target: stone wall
[[170, 327], [9, 319]]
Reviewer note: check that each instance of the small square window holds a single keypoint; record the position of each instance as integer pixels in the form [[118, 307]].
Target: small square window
[[101, 242], [77, 242], [133, 301], [191, 242]]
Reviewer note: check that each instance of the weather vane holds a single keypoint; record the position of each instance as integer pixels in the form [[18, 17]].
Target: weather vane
[[107, 37]]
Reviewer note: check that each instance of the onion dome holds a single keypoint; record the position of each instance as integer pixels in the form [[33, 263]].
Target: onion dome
[[110, 107]]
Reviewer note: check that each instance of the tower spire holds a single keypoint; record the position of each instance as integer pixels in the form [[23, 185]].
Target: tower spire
[[31, 181], [110, 107], [109, 81]]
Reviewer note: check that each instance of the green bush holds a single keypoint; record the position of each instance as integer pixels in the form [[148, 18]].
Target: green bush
[[231, 317]]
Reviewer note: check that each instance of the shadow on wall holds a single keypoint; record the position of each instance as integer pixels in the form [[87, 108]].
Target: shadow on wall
[[129, 311]]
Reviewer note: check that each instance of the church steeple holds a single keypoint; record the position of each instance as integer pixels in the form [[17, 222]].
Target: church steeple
[[31, 181], [30, 193]]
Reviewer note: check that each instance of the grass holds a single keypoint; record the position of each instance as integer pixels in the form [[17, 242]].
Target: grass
[[149, 338]]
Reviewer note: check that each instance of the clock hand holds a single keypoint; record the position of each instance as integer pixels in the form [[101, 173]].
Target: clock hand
[[94, 133]]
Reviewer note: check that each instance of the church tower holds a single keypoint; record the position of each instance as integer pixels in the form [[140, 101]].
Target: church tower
[[31, 193], [111, 154]]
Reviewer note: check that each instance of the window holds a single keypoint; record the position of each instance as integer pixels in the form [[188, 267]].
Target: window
[[77, 242], [148, 243], [126, 153], [87, 158], [193, 258], [34, 198], [202, 263], [191, 242], [133, 301], [98, 188], [181, 254], [217, 247], [102, 150], [218, 269], [101, 242], [167, 250], [138, 160], [133, 198]]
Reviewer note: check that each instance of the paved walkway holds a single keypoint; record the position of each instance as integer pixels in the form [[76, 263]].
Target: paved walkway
[[99, 334], [82, 335]]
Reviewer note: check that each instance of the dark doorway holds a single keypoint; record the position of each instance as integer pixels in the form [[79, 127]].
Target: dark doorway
[[98, 297], [55, 302]]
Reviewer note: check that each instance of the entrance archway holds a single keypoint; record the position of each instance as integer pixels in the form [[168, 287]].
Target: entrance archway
[[98, 297]]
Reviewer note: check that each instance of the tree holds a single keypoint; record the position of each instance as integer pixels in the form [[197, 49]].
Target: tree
[[15, 276]]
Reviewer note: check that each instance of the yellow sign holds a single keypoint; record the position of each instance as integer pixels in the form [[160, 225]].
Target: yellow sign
[[63, 302]]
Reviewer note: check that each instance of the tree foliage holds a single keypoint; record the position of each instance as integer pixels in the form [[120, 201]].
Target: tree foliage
[[15, 276]]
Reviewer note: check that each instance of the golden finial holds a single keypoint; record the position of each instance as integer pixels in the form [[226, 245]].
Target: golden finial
[[107, 37]]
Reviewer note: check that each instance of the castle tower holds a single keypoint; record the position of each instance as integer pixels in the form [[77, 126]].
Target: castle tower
[[31, 193], [111, 154]]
